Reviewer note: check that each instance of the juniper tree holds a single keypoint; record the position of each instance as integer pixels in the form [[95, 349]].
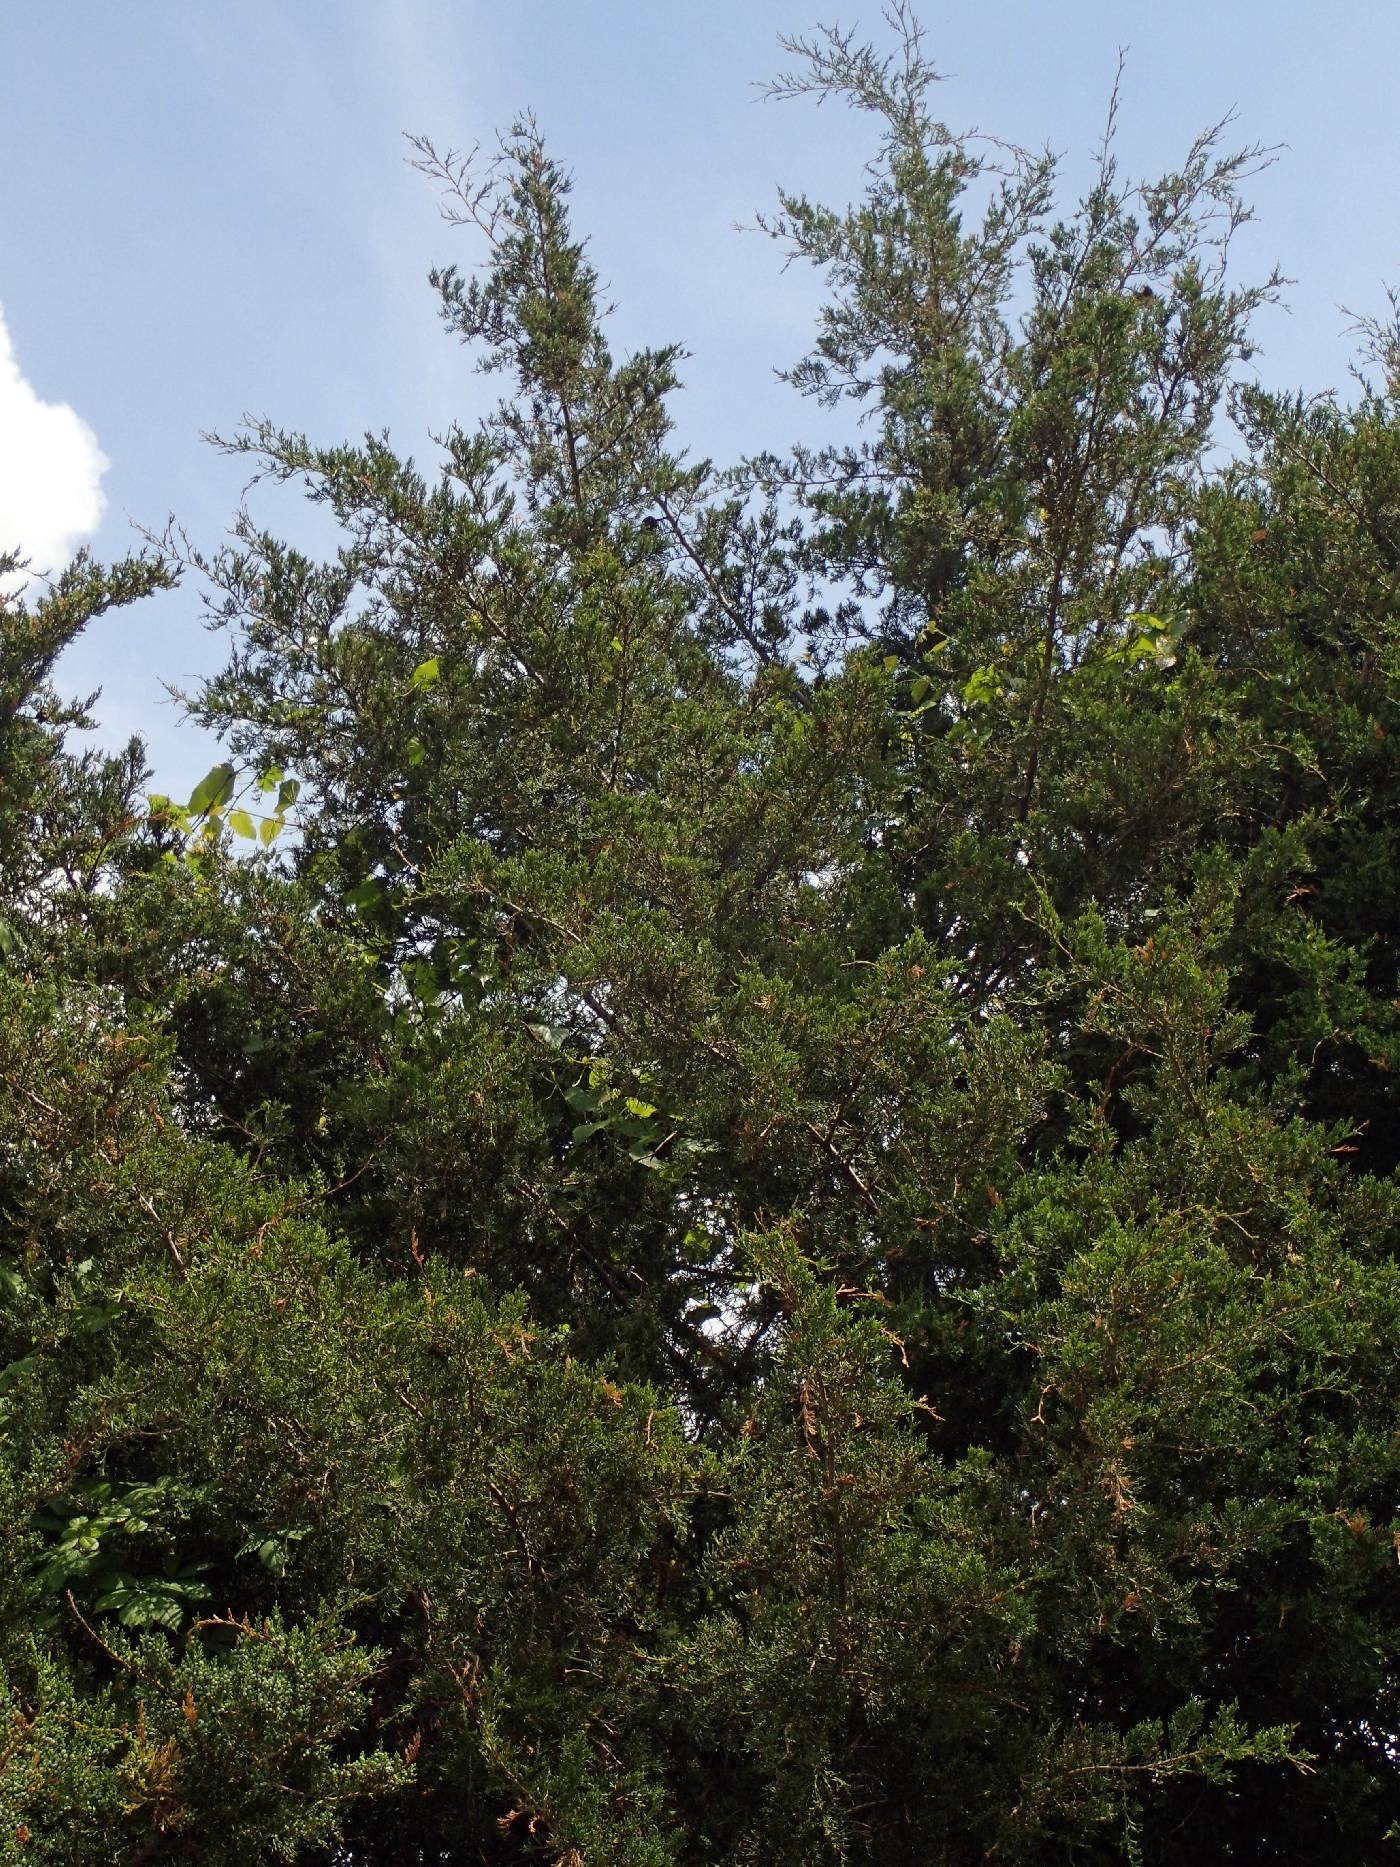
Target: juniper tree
[[770, 1236]]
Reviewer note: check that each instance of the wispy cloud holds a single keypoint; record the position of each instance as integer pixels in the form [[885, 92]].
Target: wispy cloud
[[50, 470]]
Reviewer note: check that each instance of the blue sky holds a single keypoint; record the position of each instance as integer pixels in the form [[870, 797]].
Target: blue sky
[[205, 210]]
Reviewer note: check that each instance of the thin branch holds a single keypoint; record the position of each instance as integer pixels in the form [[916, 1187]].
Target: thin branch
[[171, 1244]]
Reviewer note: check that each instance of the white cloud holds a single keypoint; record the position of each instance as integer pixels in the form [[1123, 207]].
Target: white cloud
[[50, 470]]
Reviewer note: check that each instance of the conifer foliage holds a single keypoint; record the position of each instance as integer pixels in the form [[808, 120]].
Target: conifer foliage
[[729, 1195]]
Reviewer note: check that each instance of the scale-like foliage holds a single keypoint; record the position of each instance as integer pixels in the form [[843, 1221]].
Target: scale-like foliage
[[761, 1228]]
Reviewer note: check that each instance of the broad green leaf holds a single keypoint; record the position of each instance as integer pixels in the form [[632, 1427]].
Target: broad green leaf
[[421, 980], [983, 686], [95, 1318], [242, 824], [149, 1601], [426, 675], [213, 791], [555, 1035], [274, 1551], [365, 894], [165, 810], [70, 1562]]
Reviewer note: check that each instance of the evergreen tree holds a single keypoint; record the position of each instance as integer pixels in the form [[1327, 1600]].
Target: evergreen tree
[[771, 1235]]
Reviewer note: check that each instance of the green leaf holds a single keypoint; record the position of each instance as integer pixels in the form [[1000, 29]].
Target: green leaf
[[213, 791], [365, 894], [149, 1601], [242, 824], [95, 1318], [274, 1551], [416, 751], [555, 1035], [421, 980], [427, 674], [644, 1157], [164, 809], [70, 1562]]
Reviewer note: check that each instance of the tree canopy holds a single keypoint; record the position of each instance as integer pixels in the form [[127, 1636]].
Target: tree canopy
[[729, 1194]]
